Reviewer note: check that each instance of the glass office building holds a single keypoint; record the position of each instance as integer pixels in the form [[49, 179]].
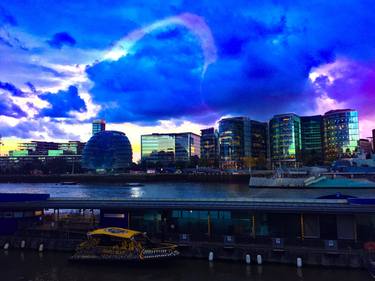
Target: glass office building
[[158, 148], [209, 147], [166, 149], [312, 139], [98, 126], [234, 141], [107, 150], [341, 134], [285, 140], [259, 142], [72, 147], [365, 147]]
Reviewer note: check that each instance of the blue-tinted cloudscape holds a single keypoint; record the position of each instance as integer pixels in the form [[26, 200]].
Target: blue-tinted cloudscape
[[63, 63]]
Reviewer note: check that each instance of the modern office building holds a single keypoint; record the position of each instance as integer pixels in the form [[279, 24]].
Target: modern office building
[[373, 140], [38, 147], [209, 147], [365, 147], [98, 126], [341, 134], [167, 149], [312, 140], [242, 143], [285, 140], [72, 147], [107, 151], [234, 142], [259, 143], [46, 148]]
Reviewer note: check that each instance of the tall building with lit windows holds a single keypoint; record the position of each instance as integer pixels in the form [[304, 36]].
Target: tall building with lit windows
[[234, 141], [242, 143], [341, 134], [98, 126], [312, 140], [209, 147], [285, 140]]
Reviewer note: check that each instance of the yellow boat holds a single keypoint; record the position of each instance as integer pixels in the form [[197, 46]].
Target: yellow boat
[[114, 243]]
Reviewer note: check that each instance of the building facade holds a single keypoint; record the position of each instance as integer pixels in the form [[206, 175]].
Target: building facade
[[373, 140], [108, 151], [38, 147], [312, 140], [98, 126], [234, 142], [259, 143], [365, 147], [285, 140], [341, 134], [167, 149], [209, 147], [72, 147]]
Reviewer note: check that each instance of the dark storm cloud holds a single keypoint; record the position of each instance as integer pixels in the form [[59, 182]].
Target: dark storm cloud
[[161, 79], [61, 39], [62, 103], [266, 51], [10, 109], [30, 129], [13, 90]]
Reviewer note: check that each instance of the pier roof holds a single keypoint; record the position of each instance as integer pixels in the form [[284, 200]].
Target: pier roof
[[240, 204]]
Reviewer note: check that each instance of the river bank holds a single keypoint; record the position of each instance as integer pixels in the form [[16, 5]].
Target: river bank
[[128, 178]]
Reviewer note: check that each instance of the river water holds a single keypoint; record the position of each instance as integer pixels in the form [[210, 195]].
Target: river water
[[31, 266], [171, 190]]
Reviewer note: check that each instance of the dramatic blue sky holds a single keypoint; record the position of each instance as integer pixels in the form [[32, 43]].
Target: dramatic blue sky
[[147, 65]]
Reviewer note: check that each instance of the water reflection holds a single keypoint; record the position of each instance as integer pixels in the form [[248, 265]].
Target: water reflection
[[169, 190], [55, 266]]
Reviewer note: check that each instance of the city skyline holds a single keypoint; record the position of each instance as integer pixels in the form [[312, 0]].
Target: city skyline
[[176, 67], [311, 142]]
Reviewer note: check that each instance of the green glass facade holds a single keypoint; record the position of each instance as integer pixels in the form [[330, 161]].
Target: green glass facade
[[312, 139], [166, 149], [341, 134], [285, 139], [158, 148]]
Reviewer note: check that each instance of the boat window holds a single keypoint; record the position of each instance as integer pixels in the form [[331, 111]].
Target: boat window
[[109, 240]]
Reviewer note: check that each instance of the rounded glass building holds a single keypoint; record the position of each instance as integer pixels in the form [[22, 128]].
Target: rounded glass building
[[107, 150]]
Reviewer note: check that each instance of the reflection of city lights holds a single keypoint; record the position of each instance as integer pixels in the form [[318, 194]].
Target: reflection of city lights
[[135, 192]]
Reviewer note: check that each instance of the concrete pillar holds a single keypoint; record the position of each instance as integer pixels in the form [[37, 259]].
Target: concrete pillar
[[247, 259], [299, 262], [211, 256], [302, 227]]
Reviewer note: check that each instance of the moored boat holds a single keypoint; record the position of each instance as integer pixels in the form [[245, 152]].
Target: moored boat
[[119, 244]]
